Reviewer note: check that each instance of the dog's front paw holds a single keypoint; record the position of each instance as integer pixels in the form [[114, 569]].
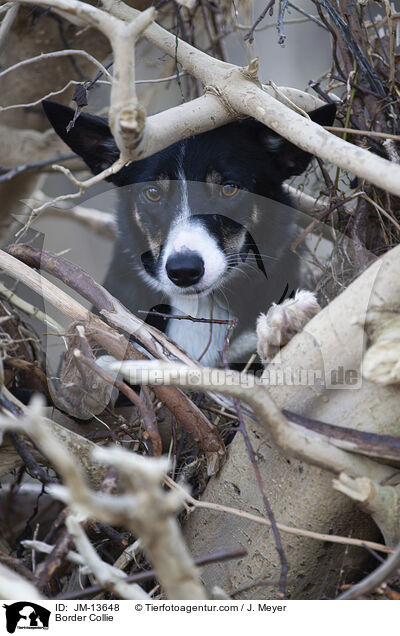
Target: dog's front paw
[[282, 322]]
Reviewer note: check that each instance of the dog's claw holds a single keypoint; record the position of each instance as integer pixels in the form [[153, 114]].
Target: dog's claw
[[282, 322]]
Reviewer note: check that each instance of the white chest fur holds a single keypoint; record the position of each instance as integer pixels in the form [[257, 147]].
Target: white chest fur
[[201, 340]]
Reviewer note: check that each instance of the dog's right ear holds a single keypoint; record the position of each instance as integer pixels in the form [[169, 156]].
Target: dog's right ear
[[90, 137]]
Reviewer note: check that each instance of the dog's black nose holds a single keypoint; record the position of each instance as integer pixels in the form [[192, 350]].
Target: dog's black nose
[[185, 268]]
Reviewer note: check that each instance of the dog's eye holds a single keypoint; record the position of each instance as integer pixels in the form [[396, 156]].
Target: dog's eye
[[152, 194], [229, 189]]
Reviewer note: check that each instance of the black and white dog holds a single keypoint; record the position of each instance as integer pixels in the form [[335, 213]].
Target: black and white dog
[[204, 227]]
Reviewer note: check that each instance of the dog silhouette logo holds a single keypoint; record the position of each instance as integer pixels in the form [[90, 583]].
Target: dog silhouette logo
[[26, 615]]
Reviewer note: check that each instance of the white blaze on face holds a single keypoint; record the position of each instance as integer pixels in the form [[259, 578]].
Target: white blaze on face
[[184, 195], [191, 235], [188, 234]]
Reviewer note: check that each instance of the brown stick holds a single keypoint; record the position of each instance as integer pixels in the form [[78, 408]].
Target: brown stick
[[116, 344]]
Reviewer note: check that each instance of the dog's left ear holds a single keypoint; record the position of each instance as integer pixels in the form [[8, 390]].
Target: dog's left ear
[[292, 160], [90, 137]]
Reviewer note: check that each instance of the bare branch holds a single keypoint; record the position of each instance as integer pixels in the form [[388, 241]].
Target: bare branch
[[243, 387], [195, 503], [144, 508], [62, 53], [14, 586], [127, 118], [109, 578], [187, 413], [238, 91]]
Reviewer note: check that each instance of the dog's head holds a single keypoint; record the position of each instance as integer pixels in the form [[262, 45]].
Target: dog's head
[[191, 212]]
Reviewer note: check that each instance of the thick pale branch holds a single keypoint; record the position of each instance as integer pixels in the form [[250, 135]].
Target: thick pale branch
[[14, 587], [382, 502], [290, 440], [242, 94], [254, 102], [237, 89], [109, 578], [127, 117], [153, 520], [169, 126], [381, 360], [144, 508]]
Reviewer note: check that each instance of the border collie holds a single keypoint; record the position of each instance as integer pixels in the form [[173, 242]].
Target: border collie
[[204, 227]]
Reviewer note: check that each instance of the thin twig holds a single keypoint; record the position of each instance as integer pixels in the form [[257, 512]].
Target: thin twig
[[270, 513], [365, 133], [253, 461], [53, 54], [375, 579], [250, 34], [280, 27], [215, 557], [10, 173], [30, 464], [49, 566], [47, 96], [195, 503], [184, 317], [308, 15]]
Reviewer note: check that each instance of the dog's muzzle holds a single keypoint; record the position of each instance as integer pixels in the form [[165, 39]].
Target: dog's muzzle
[[185, 268]]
